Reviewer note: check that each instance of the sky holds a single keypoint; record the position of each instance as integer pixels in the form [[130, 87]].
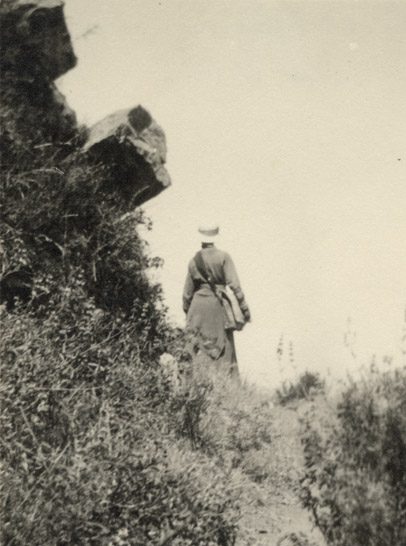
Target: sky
[[286, 123]]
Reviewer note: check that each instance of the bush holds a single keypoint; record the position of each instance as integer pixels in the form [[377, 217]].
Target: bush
[[355, 477], [229, 422], [308, 384], [60, 216], [87, 453]]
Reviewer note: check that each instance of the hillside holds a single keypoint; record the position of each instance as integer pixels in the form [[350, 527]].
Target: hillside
[[109, 435]]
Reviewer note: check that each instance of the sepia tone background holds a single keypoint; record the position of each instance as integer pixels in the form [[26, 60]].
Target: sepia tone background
[[286, 122]]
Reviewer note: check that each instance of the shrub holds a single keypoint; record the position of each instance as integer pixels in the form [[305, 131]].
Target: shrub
[[87, 453], [355, 477], [228, 421], [59, 216], [307, 385]]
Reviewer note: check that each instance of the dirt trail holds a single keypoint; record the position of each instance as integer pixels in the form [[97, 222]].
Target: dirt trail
[[272, 510]]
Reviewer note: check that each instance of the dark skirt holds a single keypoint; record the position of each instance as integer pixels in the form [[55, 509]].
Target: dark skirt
[[213, 345]]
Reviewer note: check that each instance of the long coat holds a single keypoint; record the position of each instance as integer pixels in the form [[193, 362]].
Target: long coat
[[205, 314]]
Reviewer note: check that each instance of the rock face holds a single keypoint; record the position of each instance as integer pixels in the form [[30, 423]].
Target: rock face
[[134, 145], [40, 135], [35, 39], [35, 49]]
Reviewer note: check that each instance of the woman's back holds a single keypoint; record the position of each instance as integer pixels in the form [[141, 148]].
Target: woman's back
[[205, 313]]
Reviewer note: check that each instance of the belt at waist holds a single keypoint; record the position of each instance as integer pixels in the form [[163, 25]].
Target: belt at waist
[[206, 284]]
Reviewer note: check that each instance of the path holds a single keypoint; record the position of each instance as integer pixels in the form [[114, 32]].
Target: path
[[273, 510]]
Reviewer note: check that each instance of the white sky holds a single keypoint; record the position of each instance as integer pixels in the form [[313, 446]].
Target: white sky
[[286, 121]]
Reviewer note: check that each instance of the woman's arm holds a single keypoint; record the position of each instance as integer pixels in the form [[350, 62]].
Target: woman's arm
[[188, 291]]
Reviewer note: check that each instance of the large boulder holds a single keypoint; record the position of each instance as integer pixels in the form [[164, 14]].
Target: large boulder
[[35, 40], [35, 49], [133, 145]]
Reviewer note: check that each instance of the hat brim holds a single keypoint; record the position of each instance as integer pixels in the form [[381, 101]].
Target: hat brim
[[206, 237]]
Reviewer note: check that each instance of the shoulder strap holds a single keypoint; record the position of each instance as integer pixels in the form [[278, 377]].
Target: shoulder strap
[[202, 269], [201, 266]]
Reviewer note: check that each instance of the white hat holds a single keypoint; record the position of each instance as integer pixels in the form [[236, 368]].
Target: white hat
[[208, 232]]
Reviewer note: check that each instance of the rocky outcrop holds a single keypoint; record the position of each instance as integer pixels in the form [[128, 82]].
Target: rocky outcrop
[[35, 49], [134, 146], [35, 40], [115, 166]]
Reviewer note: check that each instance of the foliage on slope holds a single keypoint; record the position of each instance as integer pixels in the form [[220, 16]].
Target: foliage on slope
[[88, 452], [229, 422], [355, 477], [88, 457]]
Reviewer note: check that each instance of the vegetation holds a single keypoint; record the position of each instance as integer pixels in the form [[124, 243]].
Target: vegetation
[[355, 470], [90, 455], [308, 384], [228, 422]]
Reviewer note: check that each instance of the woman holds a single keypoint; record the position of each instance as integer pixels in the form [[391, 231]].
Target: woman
[[205, 314]]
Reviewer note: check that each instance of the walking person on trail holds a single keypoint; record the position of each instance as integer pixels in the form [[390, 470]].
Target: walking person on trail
[[209, 273]]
